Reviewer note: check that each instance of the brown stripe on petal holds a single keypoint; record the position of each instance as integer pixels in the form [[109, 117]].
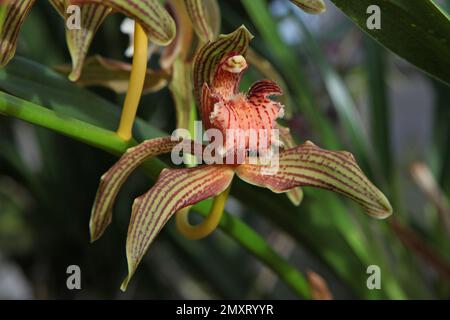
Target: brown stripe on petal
[[79, 40], [113, 179], [16, 12], [60, 6], [152, 16], [174, 190], [309, 165], [198, 13], [211, 54]]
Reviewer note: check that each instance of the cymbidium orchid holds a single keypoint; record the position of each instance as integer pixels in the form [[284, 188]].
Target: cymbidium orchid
[[218, 68]]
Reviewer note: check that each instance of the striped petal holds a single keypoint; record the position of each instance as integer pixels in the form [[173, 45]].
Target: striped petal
[[203, 14], [14, 16], [113, 179], [212, 54], [309, 165], [181, 46], [115, 75], [310, 6], [175, 189], [155, 20], [79, 40], [268, 71], [294, 195]]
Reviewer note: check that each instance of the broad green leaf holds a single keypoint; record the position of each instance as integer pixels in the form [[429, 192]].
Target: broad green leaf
[[175, 189], [309, 165], [152, 16], [79, 40], [418, 31], [16, 12], [115, 75]]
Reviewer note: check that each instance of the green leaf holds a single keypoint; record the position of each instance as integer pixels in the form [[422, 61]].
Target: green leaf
[[41, 85], [418, 31]]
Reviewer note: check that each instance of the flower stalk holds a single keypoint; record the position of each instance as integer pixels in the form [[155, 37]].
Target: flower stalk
[[211, 222], [137, 79]]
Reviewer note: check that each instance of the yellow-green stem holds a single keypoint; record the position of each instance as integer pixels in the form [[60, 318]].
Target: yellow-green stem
[[196, 232], [137, 79]]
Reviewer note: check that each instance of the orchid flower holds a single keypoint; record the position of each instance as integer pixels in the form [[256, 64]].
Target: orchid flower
[[218, 68]]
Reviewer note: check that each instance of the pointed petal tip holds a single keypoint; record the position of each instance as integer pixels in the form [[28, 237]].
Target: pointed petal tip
[[311, 6], [381, 214], [244, 29], [124, 285], [74, 75]]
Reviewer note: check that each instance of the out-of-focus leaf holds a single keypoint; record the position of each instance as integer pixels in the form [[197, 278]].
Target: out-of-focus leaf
[[152, 16], [36, 83], [310, 6], [342, 100], [270, 72], [379, 105], [418, 31], [288, 62], [16, 12], [115, 75], [79, 40], [309, 165]]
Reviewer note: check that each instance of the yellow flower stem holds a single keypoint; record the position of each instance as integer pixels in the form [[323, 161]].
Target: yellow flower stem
[[196, 232], [137, 79]]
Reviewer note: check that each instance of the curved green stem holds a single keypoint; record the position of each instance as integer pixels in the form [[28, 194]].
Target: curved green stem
[[110, 142]]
